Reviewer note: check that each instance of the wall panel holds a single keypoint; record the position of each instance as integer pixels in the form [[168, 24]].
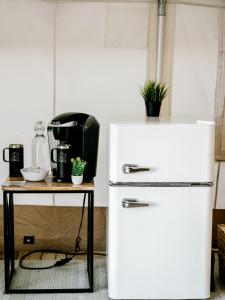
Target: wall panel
[[26, 76], [195, 62], [195, 68], [100, 64]]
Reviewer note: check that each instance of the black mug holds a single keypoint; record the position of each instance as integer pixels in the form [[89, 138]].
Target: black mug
[[16, 159], [64, 166]]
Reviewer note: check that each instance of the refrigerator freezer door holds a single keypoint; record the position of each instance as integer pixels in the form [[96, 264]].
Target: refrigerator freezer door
[[159, 251], [161, 152]]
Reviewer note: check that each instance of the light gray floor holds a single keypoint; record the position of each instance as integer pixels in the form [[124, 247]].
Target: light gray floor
[[59, 277]]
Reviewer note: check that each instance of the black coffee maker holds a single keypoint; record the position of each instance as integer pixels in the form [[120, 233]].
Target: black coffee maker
[[81, 132]]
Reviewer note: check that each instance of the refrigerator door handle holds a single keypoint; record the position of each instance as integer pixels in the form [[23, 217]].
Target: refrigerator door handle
[[130, 168], [133, 203]]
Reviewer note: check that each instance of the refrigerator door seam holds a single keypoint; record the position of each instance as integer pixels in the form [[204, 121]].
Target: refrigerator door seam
[[161, 184]]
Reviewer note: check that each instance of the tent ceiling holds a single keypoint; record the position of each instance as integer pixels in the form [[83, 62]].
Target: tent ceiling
[[209, 3]]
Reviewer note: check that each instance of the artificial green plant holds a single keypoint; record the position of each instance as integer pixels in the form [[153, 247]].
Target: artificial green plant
[[78, 166], [153, 91]]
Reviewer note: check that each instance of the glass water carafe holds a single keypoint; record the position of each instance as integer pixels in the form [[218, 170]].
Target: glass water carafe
[[40, 150]]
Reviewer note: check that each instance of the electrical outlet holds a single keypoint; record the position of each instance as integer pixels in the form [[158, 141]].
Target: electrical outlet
[[28, 239]]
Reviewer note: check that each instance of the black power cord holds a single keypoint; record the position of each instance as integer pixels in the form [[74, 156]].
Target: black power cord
[[63, 261]]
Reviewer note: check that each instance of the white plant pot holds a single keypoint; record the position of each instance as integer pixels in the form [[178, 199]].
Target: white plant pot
[[77, 179]]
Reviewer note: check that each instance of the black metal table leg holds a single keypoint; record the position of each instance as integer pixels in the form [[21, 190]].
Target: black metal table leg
[[11, 221], [88, 243], [6, 241], [9, 247], [90, 237]]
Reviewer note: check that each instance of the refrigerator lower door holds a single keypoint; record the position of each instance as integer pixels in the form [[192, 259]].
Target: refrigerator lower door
[[159, 242]]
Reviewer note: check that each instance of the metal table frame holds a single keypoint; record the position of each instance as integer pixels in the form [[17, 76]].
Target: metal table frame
[[8, 212]]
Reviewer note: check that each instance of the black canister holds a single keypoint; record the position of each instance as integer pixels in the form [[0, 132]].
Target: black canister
[[64, 166], [16, 159]]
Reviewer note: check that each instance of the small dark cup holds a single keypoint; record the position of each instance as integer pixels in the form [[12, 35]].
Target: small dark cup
[[15, 160]]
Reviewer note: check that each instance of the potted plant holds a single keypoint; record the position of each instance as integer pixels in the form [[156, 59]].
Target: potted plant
[[153, 93], [78, 167]]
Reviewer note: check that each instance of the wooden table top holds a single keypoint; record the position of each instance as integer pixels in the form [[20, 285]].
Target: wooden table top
[[47, 185]]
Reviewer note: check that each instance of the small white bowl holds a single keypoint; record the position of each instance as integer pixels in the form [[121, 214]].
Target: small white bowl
[[34, 174]]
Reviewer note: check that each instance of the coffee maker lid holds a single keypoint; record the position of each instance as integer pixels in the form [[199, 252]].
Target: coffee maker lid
[[58, 124], [70, 119], [65, 146], [15, 146]]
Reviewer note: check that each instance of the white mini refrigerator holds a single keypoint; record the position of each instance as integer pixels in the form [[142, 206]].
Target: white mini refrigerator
[[160, 209]]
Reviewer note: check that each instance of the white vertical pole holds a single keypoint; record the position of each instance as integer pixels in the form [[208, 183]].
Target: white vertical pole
[[160, 38]]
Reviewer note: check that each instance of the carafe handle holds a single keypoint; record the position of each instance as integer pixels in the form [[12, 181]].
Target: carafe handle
[[4, 154], [52, 155]]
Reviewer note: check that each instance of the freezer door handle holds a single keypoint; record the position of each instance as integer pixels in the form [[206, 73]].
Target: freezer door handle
[[133, 203], [130, 168]]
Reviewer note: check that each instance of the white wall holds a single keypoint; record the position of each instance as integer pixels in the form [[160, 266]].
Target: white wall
[[194, 70], [195, 62], [26, 75], [100, 62]]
